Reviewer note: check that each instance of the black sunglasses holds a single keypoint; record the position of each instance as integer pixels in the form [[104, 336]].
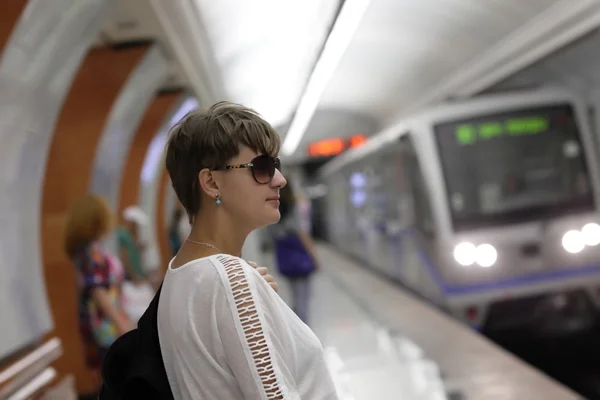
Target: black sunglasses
[[263, 168]]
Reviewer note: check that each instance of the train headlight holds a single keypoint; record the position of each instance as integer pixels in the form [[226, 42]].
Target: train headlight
[[573, 241], [468, 254], [465, 253], [591, 234], [486, 255]]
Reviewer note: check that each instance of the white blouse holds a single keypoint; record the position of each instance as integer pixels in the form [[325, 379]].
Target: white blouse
[[225, 334]]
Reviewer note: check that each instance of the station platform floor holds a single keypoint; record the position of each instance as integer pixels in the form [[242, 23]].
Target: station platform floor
[[383, 343]]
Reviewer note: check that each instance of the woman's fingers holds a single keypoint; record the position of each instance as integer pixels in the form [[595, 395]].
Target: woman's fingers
[[264, 272], [271, 281]]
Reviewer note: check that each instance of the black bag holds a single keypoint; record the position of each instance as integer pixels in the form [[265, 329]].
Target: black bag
[[133, 367]]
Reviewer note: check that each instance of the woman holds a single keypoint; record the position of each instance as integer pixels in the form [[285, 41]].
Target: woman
[[295, 252], [99, 275], [224, 332]]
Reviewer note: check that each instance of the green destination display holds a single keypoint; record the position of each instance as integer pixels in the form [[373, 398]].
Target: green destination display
[[469, 133]]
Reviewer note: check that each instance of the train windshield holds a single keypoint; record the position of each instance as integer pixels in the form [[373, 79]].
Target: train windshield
[[514, 167]]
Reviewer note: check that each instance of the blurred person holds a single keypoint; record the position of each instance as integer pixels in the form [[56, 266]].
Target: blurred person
[[141, 258], [294, 251], [224, 332], [100, 277], [305, 211], [141, 282], [130, 243]]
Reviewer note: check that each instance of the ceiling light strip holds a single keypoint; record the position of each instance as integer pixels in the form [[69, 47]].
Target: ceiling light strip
[[343, 30]]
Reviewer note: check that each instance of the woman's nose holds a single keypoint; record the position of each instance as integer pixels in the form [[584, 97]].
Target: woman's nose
[[278, 179]]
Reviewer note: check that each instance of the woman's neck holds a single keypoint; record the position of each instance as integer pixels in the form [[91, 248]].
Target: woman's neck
[[212, 229]]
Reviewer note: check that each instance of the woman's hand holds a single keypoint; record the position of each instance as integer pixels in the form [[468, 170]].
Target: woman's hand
[[264, 272]]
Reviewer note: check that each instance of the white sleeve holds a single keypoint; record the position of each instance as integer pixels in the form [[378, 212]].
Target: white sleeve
[[248, 339]]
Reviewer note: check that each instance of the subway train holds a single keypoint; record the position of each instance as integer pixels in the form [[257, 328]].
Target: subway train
[[488, 208]]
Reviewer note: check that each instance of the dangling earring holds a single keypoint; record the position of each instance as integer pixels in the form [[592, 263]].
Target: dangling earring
[[218, 199]]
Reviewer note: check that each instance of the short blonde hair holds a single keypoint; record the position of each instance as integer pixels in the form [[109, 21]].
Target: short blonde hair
[[89, 219], [209, 139]]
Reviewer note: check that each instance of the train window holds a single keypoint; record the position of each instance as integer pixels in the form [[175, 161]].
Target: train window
[[422, 205], [514, 166], [423, 217]]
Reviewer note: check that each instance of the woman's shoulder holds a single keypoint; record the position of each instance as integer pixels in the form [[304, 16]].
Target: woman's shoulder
[[212, 276], [229, 264], [235, 271], [227, 269], [219, 264]]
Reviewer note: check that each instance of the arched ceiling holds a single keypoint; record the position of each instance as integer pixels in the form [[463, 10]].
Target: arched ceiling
[[382, 59]]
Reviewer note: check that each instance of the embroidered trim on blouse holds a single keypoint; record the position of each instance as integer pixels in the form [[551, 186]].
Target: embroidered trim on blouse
[[248, 315]]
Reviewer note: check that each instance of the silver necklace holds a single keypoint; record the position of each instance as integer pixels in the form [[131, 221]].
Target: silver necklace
[[205, 244]]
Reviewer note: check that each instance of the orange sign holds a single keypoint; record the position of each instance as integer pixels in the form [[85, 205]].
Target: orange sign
[[357, 140], [326, 148], [334, 146]]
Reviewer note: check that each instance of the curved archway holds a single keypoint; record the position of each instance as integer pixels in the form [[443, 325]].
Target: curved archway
[[67, 177], [39, 62]]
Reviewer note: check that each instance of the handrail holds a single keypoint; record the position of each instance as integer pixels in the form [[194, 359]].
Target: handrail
[[35, 385], [49, 351]]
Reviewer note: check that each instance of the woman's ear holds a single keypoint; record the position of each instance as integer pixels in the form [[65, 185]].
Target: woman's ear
[[207, 182]]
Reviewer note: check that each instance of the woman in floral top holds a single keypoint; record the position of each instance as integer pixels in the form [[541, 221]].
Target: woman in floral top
[[99, 277]]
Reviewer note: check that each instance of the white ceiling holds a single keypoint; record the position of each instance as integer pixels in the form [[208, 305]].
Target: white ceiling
[[404, 54], [576, 67], [404, 48], [266, 49]]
